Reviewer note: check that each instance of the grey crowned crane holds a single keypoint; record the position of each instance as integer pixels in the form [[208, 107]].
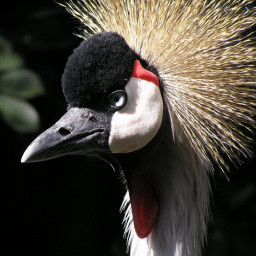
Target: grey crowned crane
[[163, 91]]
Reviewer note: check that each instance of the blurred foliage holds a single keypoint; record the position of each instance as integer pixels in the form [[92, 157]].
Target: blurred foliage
[[17, 84]]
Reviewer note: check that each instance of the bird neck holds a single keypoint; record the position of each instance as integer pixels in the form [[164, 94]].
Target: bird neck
[[181, 186]]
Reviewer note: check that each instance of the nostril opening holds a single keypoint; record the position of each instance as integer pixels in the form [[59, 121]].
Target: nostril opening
[[64, 131], [93, 119]]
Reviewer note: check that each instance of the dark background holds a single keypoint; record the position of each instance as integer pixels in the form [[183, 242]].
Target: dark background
[[70, 206]]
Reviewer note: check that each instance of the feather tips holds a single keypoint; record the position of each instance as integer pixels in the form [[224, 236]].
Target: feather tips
[[204, 54]]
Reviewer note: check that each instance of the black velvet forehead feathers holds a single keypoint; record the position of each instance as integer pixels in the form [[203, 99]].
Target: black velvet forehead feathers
[[100, 65]]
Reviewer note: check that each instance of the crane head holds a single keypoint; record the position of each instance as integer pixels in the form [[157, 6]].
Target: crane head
[[114, 103]]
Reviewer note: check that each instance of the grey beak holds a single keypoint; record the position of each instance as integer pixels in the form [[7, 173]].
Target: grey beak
[[79, 131]]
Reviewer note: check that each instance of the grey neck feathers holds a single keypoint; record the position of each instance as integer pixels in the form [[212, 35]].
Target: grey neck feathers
[[183, 190]]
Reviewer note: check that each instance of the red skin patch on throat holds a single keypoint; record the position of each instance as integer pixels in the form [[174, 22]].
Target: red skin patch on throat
[[144, 74], [144, 205]]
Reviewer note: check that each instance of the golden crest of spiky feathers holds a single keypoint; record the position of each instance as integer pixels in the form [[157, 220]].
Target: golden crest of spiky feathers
[[206, 57]]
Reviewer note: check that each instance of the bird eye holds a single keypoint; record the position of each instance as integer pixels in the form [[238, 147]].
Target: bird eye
[[117, 99]]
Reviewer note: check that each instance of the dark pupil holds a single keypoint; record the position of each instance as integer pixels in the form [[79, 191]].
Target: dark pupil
[[116, 98]]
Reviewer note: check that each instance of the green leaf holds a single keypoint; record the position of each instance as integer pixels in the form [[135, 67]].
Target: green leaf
[[18, 114], [8, 58], [10, 61], [21, 83], [5, 46]]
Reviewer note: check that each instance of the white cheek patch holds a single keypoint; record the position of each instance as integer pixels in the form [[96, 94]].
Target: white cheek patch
[[137, 123]]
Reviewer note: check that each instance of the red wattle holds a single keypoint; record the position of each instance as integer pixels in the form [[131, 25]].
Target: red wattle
[[144, 205]]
